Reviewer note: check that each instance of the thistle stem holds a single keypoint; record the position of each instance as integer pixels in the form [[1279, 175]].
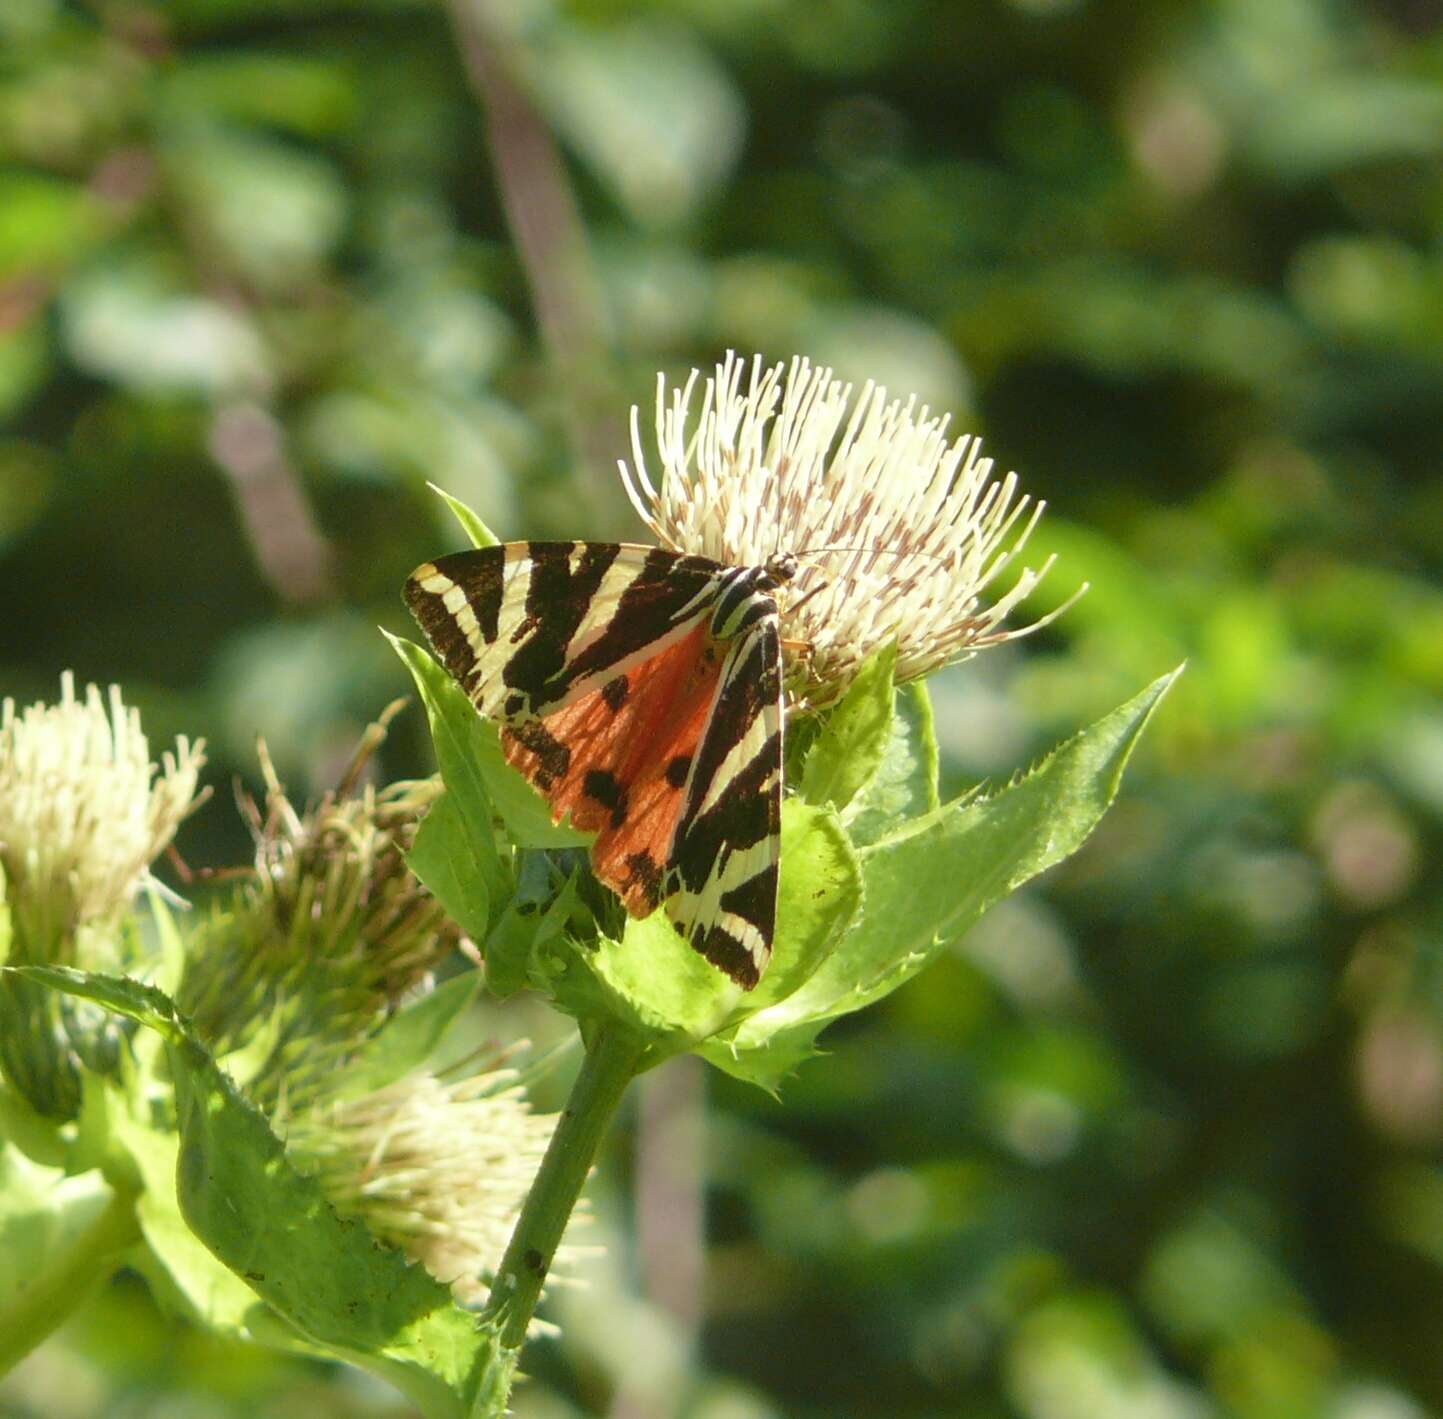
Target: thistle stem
[[607, 1068], [71, 1276]]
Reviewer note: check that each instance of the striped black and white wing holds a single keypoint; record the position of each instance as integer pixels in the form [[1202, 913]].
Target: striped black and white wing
[[721, 887], [527, 627]]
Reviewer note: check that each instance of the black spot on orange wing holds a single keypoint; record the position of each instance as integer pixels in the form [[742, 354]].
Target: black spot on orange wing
[[613, 780], [614, 692], [533, 749], [667, 709], [677, 770], [643, 881], [603, 787]]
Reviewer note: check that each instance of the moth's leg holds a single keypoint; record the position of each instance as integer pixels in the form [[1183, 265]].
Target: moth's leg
[[795, 606]]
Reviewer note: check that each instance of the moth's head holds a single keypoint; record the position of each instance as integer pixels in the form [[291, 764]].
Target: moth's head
[[781, 569]]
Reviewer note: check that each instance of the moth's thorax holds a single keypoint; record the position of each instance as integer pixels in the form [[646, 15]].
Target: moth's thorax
[[747, 594]]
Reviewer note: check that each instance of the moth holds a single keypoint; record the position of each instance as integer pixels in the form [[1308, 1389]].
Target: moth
[[640, 690]]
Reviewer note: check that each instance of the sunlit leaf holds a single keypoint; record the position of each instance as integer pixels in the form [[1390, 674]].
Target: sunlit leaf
[[44, 1216], [929, 880], [850, 749], [661, 984], [905, 783]]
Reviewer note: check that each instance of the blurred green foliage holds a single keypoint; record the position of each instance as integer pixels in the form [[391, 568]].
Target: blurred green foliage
[[1161, 1138]]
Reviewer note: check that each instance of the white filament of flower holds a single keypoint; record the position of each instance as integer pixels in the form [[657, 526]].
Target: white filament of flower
[[909, 528], [438, 1168], [83, 810]]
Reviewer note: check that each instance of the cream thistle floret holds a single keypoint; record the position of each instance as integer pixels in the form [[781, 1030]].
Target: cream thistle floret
[[83, 811], [898, 531], [438, 1168]]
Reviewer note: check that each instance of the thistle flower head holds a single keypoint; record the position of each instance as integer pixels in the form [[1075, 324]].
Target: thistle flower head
[[321, 941], [899, 531], [83, 812], [437, 1168]]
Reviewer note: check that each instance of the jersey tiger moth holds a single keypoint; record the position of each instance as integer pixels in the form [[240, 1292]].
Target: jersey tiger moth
[[640, 690]]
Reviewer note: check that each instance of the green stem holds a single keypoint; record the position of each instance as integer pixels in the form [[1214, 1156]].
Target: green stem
[[72, 1275], [607, 1068]]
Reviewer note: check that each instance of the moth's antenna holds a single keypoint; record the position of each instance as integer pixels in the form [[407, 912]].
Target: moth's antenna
[[876, 551]]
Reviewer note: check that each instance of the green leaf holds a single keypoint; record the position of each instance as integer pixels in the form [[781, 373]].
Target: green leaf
[[535, 918], [818, 897], [42, 1214], [657, 984], [471, 524], [456, 734], [306, 95], [27, 476], [45, 222], [855, 737], [329, 1277], [410, 1037], [444, 857], [468, 751], [1340, 120], [905, 783], [44, 1139], [650, 110], [656, 981], [168, 940], [182, 1270], [61, 1238], [762, 1058], [820, 894], [931, 880], [273, 208]]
